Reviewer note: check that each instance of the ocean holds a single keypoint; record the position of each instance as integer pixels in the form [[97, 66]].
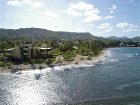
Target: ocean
[[114, 80]]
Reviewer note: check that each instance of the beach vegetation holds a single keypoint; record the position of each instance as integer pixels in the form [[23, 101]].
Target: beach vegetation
[[89, 58], [66, 48]]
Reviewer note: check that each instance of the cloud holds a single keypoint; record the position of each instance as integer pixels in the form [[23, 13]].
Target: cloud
[[13, 3], [112, 9], [81, 6], [73, 12], [125, 26], [88, 11], [37, 4], [109, 17], [106, 27], [32, 3], [51, 14], [91, 16]]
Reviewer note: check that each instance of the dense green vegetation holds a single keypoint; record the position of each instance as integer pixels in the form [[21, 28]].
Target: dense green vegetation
[[68, 49], [67, 44]]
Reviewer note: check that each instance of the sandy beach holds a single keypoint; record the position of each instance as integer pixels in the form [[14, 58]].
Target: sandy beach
[[82, 62]]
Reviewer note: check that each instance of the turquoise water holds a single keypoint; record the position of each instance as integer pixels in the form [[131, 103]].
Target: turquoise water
[[116, 78]]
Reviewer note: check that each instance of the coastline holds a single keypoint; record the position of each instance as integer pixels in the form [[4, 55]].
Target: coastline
[[84, 62]]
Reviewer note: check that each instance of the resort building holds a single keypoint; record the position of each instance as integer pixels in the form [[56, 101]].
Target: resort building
[[9, 51], [25, 51], [43, 50], [22, 51]]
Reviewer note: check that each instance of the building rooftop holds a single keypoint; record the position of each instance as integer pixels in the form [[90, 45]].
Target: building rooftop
[[10, 49], [49, 48]]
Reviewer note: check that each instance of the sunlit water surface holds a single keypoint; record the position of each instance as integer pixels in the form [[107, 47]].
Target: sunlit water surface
[[116, 76]]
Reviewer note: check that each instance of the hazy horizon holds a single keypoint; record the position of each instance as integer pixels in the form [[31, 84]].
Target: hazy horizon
[[111, 18]]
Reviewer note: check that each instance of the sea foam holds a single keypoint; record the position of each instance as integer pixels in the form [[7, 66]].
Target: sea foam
[[128, 85]]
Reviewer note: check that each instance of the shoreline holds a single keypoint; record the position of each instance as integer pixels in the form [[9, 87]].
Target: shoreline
[[64, 65]]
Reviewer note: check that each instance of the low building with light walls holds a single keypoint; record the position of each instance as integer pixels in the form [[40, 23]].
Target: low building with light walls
[[24, 51]]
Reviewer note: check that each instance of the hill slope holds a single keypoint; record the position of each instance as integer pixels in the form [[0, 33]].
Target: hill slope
[[37, 33]]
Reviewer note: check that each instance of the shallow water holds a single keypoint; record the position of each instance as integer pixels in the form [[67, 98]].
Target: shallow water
[[115, 77]]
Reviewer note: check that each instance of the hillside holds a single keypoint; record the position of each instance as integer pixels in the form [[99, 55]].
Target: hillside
[[37, 33], [124, 38]]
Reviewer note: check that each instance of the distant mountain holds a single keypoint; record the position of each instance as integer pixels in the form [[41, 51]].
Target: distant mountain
[[124, 38], [38, 33], [136, 38], [114, 37]]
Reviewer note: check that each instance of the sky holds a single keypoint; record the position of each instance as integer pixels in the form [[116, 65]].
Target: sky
[[99, 17]]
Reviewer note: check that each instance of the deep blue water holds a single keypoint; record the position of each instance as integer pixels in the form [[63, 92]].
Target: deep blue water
[[115, 77]]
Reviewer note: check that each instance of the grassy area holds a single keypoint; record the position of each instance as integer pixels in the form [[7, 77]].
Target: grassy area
[[69, 56], [6, 65], [40, 61], [89, 58]]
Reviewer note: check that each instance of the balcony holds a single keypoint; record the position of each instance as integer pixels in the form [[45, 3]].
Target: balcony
[[43, 53]]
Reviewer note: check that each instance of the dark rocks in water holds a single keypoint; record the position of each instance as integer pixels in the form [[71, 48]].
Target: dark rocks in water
[[66, 69], [51, 65], [76, 63], [34, 67], [14, 70], [37, 76], [40, 67]]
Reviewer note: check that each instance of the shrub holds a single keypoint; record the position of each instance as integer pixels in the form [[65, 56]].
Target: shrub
[[50, 60], [7, 64], [38, 61], [1, 64], [89, 58], [68, 56]]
